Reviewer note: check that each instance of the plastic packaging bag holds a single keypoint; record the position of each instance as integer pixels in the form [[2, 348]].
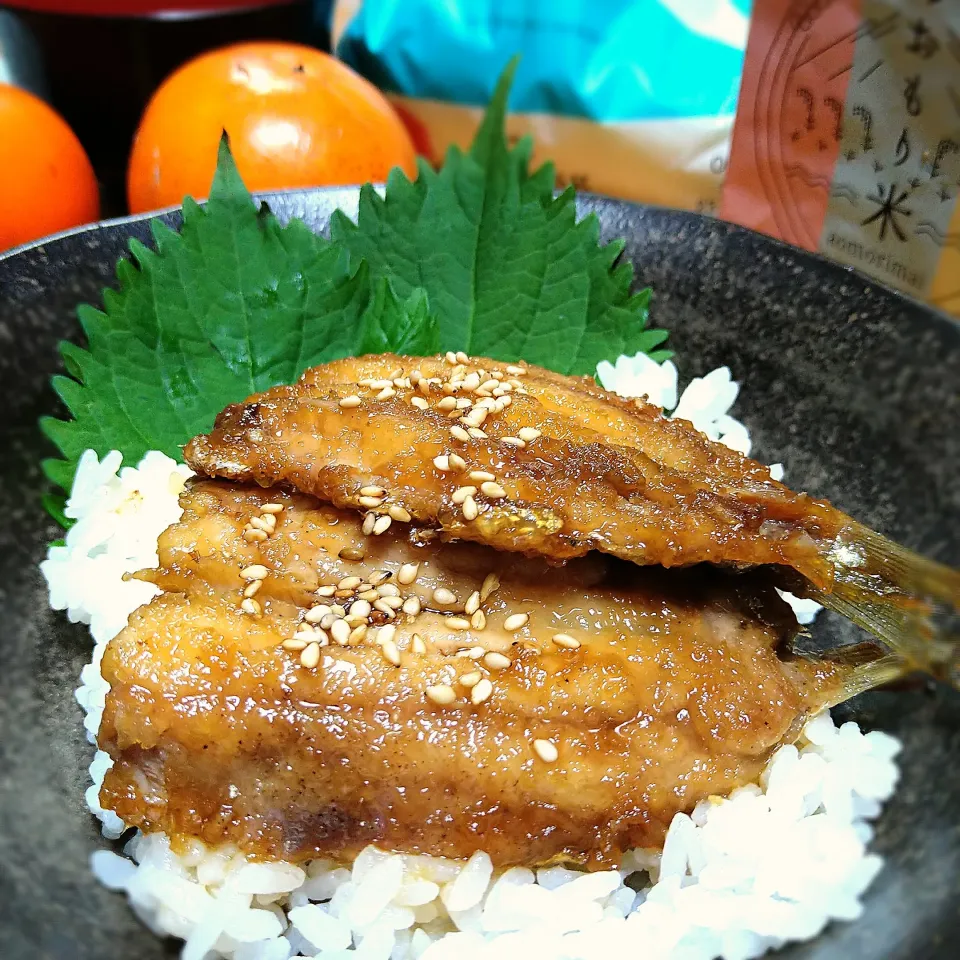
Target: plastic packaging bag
[[847, 138], [634, 100]]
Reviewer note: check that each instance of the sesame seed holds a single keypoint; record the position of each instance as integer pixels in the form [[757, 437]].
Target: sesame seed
[[357, 634], [372, 491], [272, 508], [368, 522], [252, 587], [479, 620], [444, 597], [361, 608], [391, 652], [458, 623], [516, 371], [447, 404], [491, 583], [326, 591], [381, 525], [461, 493], [408, 573], [398, 513], [411, 606], [458, 433], [481, 691], [462, 357], [249, 605], [349, 402], [370, 502], [545, 750], [419, 403], [317, 613], [475, 417], [471, 679], [473, 603], [451, 358], [470, 509], [388, 590], [515, 621], [310, 656], [417, 645], [442, 463], [565, 640], [256, 571], [386, 393], [493, 490], [513, 442], [252, 535], [442, 694], [385, 607], [386, 633], [476, 433], [349, 583], [294, 644], [496, 661], [481, 476], [528, 434]]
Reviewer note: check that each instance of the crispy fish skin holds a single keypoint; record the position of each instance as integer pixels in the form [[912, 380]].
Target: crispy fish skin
[[604, 473], [218, 732]]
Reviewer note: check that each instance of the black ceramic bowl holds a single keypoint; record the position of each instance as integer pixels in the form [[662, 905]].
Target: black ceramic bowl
[[855, 388]]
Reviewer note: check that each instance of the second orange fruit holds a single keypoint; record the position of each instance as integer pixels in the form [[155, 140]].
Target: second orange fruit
[[296, 118]]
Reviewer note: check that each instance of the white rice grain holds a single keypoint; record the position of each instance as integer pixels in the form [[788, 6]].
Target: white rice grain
[[774, 862]]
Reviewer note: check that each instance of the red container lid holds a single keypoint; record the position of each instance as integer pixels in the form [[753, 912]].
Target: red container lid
[[142, 8]]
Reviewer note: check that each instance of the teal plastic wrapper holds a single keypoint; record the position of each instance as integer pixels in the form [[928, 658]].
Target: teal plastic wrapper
[[629, 99]]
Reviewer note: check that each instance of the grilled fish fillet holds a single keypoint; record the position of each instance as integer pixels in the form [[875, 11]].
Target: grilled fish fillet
[[603, 473], [469, 698], [531, 461]]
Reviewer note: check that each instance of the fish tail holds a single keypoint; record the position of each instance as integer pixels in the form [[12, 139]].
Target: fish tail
[[903, 599], [905, 569], [862, 667]]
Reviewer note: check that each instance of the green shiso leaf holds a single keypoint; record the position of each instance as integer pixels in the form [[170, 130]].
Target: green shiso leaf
[[508, 271], [479, 256]]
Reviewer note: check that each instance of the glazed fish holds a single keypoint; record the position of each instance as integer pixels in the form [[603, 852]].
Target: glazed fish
[[526, 460], [311, 689]]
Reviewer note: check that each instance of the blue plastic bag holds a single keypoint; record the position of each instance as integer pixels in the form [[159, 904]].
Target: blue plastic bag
[[629, 99]]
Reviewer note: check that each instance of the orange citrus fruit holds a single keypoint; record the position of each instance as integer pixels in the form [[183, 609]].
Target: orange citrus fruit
[[296, 118], [46, 181]]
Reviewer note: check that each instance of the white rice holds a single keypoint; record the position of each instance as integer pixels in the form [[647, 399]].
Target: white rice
[[774, 862]]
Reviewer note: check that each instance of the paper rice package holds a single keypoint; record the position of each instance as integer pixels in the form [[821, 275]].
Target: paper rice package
[[631, 99], [847, 138]]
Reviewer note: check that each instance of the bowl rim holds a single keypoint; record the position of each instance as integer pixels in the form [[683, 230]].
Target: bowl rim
[[584, 199]]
